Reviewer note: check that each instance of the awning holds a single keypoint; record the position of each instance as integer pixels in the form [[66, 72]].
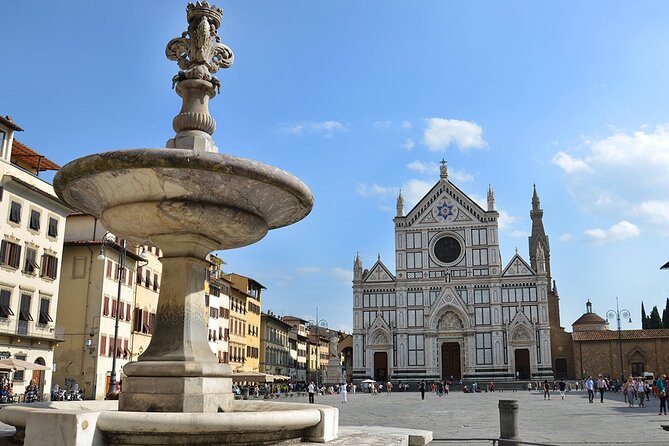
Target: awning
[[252, 377], [19, 364]]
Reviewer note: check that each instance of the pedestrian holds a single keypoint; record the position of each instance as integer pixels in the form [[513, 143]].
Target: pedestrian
[[344, 393], [547, 390], [31, 392], [310, 390], [562, 386], [590, 386], [601, 387], [628, 392], [641, 392], [389, 387], [353, 386], [661, 391], [421, 387]]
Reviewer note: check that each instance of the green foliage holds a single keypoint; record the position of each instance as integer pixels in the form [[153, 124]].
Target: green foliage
[[665, 315], [655, 321], [644, 318]]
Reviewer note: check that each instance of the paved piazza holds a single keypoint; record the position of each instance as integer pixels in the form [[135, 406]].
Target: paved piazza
[[572, 421]]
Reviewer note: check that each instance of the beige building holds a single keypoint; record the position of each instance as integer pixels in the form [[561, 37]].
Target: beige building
[[274, 345], [217, 301], [32, 221], [246, 293], [90, 283], [298, 340]]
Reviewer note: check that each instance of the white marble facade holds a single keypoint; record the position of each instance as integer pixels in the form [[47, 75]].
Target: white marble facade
[[452, 308]]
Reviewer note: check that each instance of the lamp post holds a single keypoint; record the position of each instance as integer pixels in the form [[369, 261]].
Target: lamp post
[[627, 315], [317, 323], [109, 240]]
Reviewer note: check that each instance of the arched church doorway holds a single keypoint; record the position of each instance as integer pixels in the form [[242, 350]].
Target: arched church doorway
[[450, 361], [560, 368], [522, 363], [380, 366]]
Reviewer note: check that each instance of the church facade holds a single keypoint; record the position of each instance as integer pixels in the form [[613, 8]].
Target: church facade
[[452, 309]]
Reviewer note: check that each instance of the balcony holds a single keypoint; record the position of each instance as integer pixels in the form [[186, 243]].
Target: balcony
[[36, 331]]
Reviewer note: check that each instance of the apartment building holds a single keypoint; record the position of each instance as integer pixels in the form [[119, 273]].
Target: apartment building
[[245, 308], [298, 338], [275, 356], [32, 219]]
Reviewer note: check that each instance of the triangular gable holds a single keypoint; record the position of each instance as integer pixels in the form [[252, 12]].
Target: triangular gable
[[379, 273], [521, 329], [518, 267], [448, 299], [379, 331], [446, 193]]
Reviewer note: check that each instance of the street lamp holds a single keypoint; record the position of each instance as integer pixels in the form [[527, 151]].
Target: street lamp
[[109, 240], [317, 323], [627, 315]]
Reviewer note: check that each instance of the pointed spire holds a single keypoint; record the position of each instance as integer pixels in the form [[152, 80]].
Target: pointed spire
[[357, 267], [535, 199], [400, 204], [443, 169], [588, 306], [491, 199], [358, 261], [555, 291]]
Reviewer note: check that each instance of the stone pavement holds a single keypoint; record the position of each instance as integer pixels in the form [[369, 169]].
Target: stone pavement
[[459, 415]]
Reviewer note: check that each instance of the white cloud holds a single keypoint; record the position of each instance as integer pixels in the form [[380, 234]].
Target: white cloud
[[440, 133], [432, 168], [307, 269], [406, 125], [621, 176], [620, 231], [414, 190], [569, 164], [655, 211], [325, 128], [566, 237], [408, 144], [518, 234], [382, 125], [343, 275], [374, 190], [505, 220]]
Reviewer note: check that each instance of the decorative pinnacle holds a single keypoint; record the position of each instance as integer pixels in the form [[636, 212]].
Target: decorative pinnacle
[[199, 51]]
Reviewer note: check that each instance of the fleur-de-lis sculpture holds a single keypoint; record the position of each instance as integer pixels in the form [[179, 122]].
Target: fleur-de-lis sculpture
[[199, 51]]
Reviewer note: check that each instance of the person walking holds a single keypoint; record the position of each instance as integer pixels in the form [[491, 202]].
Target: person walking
[[661, 391], [421, 387], [31, 392], [628, 392], [344, 393], [601, 387], [590, 386], [547, 389], [311, 389], [641, 391], [562, 386]]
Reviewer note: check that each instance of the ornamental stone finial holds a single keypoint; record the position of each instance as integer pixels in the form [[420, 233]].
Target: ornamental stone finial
[[443, 169], [199, 53]]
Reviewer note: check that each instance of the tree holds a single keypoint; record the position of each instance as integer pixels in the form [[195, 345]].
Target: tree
[[665, 315], [644, 318], [655, 320]]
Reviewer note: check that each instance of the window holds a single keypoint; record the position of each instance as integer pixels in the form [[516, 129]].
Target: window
[[44, 317], [416, 352], [49, 266], [2, 140], [414, 240], [479, 237], [504, 345], [433, 295], [53, 227], [34, 220], [414, 260], [140, 275], [482, 316], [147, 278], [15, 212], [5, 308], [10, 254], [483, 348], [538, 339], [103, 345], [105, 306], [155, 281], [108, 271], [508, 313], [479, 257], [415, 318], [462, 292], [482, 296], [128, 314], [24, 309], [19, 374], [415, 298], [531, 312], [527, 294], [113, 312]]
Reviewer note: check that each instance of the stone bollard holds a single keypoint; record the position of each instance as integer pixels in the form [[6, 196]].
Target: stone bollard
[[508, 422], [246, 393]]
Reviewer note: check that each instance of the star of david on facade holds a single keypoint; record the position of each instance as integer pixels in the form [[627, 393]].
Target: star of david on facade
[[445, 210]]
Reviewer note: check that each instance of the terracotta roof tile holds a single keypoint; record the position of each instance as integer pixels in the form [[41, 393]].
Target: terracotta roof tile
[[608, 335], [589, 318]]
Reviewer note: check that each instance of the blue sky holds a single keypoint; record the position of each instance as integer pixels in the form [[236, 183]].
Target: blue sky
[[360, 99]]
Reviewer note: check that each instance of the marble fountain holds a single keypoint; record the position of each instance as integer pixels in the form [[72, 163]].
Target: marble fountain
[[190, 200]]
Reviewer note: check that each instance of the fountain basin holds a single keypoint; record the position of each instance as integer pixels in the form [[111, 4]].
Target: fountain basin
[[142, 194], [97, 423]]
